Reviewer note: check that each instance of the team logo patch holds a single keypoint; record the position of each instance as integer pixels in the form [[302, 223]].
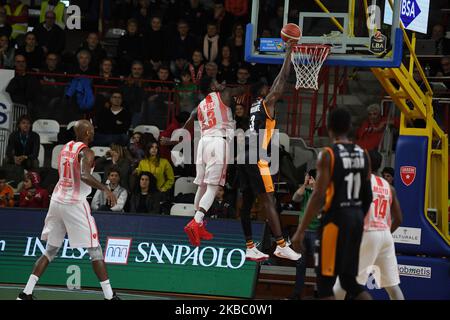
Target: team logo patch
[[408, 175], [94, 236]]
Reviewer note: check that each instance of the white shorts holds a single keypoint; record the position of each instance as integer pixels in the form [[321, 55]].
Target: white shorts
[[377, 252], [75, 220], [211, 163]]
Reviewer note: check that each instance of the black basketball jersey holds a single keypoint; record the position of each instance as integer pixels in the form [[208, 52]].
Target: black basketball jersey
[[261, 127], [349, 171]]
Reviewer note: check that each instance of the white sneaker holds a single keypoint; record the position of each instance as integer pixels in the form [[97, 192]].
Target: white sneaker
[[254, 254], [287, 253]]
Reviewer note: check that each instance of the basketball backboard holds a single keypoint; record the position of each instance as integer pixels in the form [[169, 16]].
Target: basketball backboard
[[349, 26]]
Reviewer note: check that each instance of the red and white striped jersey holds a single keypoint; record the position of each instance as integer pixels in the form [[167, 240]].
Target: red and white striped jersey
[[379, 215], [214, 116], [70, 189]]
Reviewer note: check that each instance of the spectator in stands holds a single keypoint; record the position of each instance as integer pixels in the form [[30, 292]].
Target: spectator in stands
[[211, 43], [134, 94], [7, 53], [5, 28], [177, 67], [6, 192], [221, 208], [32, 194], [197, 68], [32, 52], [105, 84], [186, 93], [227, 68], [23, 87], [92, 45], [113, 122], [237, 42], [177, 122], [222, 19], [142, 14], [183, 44], [302, 196], [57, 8], [99, 202], [276, 22], [442, 43], [52, 65], [444, 70], [85, 65], [158, 167], [50, 36], [211, 70], [155, 44], [17, 14], [23, 149], [238, 8], [119, 159], [371, 131], [130, 46], [195, 14], [146, 198], [158, 101], [388, 174], [136, 149], [240, 117], [243, 78]]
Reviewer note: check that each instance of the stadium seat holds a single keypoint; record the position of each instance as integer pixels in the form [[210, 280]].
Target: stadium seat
[[41, 156], [148, 129], [47, 129], [185, 185], [100, 151], [182, 209], [55, 153]]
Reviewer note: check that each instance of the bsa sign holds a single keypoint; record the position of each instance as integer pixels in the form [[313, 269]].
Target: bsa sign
[[117, 250], [408, 175]]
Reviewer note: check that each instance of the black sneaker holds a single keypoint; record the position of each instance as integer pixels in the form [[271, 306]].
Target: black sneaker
[[23, 296], [115, 297]]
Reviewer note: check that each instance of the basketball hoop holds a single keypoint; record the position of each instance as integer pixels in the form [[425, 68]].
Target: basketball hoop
[[308, 60]]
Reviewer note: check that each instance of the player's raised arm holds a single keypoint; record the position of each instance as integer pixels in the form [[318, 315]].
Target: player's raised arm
[[277, 89], [87, 158], [317, 200]]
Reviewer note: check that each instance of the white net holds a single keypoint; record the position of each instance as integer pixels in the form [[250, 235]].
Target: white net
[[308, 60]]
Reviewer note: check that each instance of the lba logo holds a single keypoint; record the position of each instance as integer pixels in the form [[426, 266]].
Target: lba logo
[[117, 250], [408, 175]]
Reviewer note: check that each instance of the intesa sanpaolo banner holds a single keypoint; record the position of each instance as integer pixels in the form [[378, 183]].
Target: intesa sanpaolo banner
[[143, 252]]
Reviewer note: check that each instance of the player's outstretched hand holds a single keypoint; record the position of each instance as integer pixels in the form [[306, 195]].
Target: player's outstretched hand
[[111, 198]]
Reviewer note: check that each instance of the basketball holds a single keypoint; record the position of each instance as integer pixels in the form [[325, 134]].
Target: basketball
[[291, 33]]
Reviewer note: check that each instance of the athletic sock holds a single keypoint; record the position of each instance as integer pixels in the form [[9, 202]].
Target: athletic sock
[[30, 284], [281, 242], [199, 216], [250, 244], [107, 290]]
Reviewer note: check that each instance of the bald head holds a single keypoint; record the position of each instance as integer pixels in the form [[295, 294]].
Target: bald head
[[84, 131]]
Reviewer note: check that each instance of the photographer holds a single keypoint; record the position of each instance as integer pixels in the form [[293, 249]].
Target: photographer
[[99, 202]]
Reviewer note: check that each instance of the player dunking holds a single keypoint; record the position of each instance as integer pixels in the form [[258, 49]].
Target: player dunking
[[215, 117], [255, 178], [343, 194], [377, 245], [69, 211]]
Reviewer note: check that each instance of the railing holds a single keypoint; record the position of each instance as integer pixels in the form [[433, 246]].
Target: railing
[[296, 103]]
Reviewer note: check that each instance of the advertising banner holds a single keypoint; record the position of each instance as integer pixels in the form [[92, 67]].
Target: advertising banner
[[142, 252]]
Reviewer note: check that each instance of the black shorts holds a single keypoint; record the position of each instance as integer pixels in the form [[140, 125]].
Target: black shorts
[[256, 177], [339, 241]]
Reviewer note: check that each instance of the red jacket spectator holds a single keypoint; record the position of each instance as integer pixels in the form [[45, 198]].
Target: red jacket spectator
[[237, 8], [32, 195], [371, 131]]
